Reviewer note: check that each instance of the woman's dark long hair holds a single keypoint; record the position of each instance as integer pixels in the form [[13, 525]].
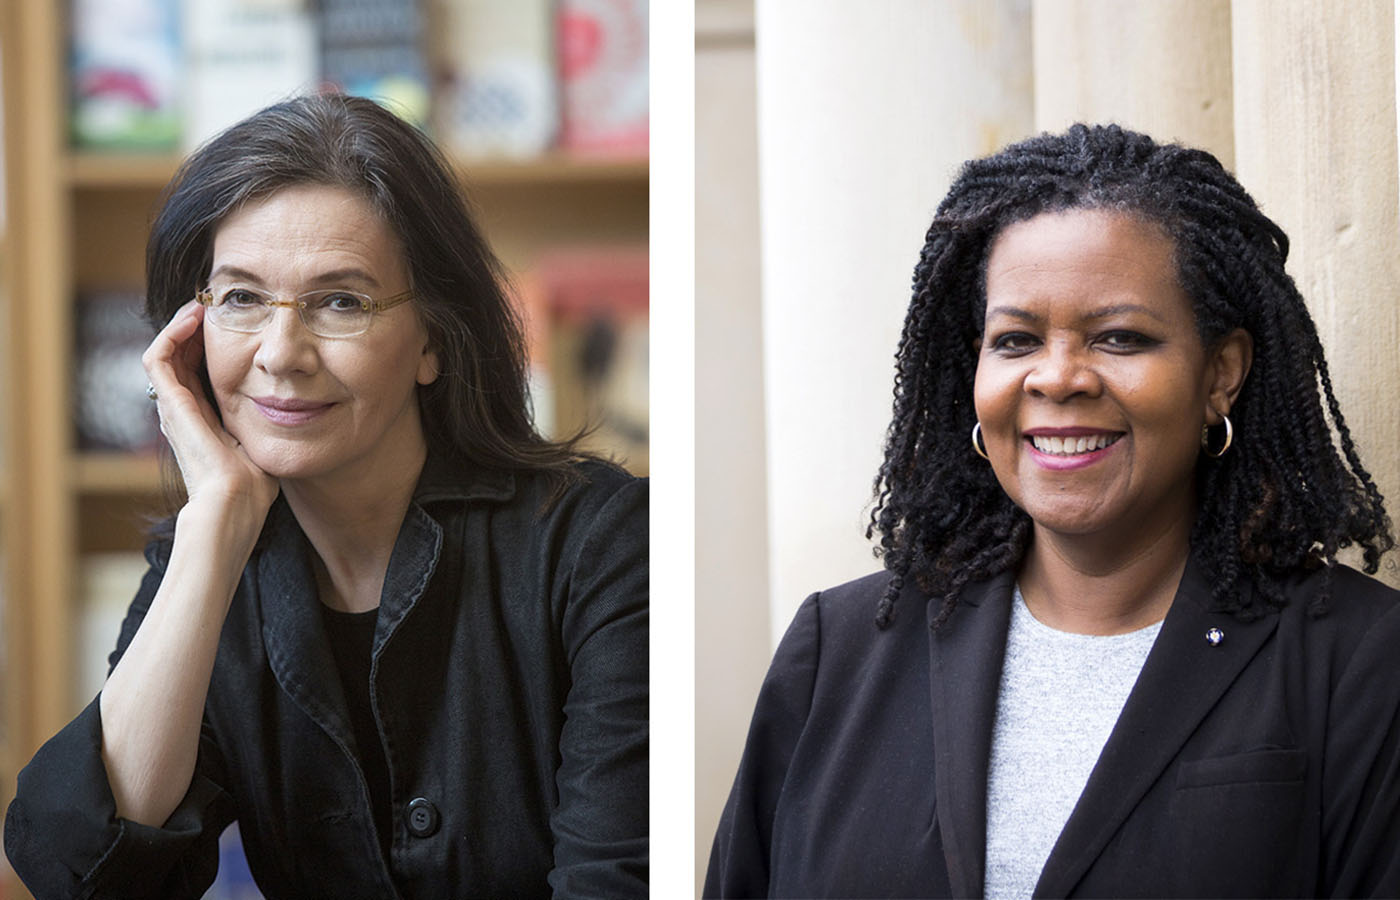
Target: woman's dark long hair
[[478, 409], [1289, 494]]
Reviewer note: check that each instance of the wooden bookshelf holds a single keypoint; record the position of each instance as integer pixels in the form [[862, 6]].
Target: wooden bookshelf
[[136, 171], [116, 474], [85, 217]]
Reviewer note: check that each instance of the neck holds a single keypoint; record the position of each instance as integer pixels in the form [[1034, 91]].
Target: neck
[[352, 523], [1089, 585]]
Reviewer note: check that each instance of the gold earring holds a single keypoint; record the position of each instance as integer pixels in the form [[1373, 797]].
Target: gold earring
[[976, 445], [1229, 438]]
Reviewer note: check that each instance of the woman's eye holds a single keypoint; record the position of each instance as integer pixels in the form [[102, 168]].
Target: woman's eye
[[1126, 340], [340, 303], [237, 298], [1014, 342]]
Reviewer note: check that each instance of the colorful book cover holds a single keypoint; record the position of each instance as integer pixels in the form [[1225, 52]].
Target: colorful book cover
[[374, 48], [596, 301], [125, 59], [603, 62]]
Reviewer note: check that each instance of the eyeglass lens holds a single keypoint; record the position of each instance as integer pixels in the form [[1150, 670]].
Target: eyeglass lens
[[334, 313]]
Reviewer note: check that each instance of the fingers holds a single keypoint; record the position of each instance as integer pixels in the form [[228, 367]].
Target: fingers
[[165, 351]]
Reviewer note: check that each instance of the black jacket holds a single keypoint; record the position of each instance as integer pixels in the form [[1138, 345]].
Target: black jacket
[[1266, 765], [510, 682]]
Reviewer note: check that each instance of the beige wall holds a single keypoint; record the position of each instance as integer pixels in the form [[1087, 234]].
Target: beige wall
[[1093, 59], [731, 534]]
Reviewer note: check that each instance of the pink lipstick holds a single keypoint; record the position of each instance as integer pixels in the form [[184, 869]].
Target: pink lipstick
[[1062, 449], [289, 411]]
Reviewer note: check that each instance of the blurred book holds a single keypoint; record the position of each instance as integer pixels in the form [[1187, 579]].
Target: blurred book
[[125, 61], [374, 48], [111, 410], [595, 301], [242, 55], [531, 302], [603, 66], [106, 584], [495, 84]]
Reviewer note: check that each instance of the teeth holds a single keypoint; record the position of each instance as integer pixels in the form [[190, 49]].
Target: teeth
[[1072, 445]]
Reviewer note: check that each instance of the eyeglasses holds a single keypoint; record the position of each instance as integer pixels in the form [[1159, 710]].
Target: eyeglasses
[[328, 314]]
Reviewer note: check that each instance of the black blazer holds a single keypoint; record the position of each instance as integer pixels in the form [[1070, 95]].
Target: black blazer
[[1266, 765]]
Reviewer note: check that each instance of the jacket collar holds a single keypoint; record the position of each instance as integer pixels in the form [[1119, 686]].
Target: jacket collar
[[292, 629], [1183, 677], [443, 478]]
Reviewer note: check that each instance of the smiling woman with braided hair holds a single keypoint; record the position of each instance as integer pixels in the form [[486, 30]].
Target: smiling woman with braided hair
[[1113, 652]]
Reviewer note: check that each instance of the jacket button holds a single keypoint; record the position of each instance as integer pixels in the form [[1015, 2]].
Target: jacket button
[[422, 818]]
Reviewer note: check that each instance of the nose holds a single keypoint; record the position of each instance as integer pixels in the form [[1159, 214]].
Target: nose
[[1062, 372], [285, 346]]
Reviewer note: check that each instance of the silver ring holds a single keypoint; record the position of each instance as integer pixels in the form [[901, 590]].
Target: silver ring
[[150, 391]]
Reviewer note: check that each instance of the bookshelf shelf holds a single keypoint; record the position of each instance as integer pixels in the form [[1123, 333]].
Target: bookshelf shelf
[[116, 473], [135, 171]]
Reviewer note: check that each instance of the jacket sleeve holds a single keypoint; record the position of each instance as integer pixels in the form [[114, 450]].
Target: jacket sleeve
[[600, 825], [740, 860], [62, 833], [1361, 781]]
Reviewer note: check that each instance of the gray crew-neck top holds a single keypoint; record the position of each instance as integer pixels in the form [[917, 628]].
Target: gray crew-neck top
[[1060, 696]]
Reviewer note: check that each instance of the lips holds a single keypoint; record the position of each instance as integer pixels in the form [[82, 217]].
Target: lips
[[290, 410], [1062, 449], [1071, 445]]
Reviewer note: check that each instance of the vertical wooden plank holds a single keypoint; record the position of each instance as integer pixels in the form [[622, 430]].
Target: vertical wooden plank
[[1162, 68], [40, 385], [1315, 143]]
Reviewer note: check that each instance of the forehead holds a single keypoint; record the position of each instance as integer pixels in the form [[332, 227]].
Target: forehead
[[1074, 262], [303, 230]]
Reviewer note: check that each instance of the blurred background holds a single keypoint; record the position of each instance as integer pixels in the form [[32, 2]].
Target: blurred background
[[826, 134], [542, 104]]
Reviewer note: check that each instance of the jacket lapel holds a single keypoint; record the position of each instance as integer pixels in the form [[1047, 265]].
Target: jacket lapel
[[965, 659], [293, 634], [1183, 677]]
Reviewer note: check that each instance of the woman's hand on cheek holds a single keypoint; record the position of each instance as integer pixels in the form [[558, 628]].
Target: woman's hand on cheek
[[213, 464]]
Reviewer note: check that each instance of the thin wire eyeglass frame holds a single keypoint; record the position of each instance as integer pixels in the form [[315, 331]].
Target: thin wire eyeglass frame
[[207, 299]]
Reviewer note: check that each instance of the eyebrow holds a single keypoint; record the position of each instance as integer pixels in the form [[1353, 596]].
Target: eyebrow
[[1103, 312], [332, 277]]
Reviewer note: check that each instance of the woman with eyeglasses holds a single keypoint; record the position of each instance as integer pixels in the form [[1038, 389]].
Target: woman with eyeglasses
[[396, 634]]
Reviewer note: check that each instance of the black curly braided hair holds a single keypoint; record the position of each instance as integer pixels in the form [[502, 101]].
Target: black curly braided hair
[[1288, 496]]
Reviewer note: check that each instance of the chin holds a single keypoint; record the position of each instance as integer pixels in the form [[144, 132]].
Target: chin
[[284, 463], [1068, 520]]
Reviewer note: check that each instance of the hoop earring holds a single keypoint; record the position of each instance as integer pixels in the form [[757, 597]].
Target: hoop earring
[[976, 445], [1229, 438]]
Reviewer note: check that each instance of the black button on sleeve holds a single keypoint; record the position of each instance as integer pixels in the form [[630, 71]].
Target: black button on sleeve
[[422, 817]]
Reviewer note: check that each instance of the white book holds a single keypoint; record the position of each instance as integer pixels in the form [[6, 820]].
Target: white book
[[241, 56]]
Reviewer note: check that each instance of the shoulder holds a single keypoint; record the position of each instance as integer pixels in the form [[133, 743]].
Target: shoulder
[[586, 496], [1356, 603], [834, 632], [848, 610]]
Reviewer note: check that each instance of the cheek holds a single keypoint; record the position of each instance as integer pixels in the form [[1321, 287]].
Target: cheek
[[226, 362], [993, 397]]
